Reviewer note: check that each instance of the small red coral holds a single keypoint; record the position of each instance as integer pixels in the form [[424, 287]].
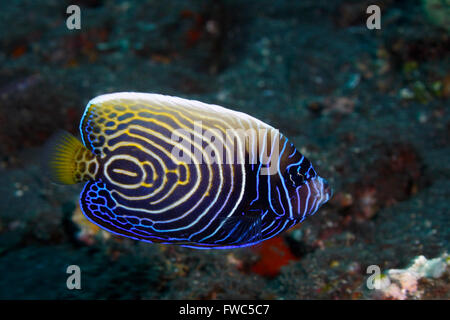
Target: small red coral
[[274, 254]]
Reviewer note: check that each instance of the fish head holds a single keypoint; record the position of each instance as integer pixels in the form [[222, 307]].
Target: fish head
[[308, 191], [312, 195]]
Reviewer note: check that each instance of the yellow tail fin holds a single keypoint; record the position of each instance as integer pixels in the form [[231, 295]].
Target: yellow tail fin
[[67, 159]]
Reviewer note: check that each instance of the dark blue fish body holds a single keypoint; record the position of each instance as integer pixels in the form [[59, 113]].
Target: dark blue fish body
[[169, 170]]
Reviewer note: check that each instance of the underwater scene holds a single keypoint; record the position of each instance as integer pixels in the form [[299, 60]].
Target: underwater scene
[[225, 149]]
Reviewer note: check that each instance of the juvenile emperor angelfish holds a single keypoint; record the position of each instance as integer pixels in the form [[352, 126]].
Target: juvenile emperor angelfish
[[169, 170]]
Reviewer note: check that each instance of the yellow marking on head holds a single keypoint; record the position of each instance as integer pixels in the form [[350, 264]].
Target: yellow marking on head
[[147, 185], [188, 174]]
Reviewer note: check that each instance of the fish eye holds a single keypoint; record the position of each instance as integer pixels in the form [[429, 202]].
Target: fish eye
[[296, 178]]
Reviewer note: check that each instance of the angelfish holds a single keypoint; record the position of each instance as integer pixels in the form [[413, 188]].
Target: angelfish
[[164, 169]]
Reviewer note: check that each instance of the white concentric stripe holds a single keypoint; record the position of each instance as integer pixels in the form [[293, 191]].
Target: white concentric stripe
[[179, 202], [165, 125], [157, 146], [128, 158], [125, 172], [188, 196], [240, 195], [220, 184], [241, 155], [169, 155], [224, 204], [152, 155]]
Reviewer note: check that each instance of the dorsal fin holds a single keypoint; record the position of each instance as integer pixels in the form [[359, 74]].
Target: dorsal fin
[[106, 114]]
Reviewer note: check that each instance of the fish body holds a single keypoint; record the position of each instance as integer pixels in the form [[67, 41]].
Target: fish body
[[169, 170]]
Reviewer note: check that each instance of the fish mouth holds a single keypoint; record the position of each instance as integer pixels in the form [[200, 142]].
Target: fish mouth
[[325, 192]]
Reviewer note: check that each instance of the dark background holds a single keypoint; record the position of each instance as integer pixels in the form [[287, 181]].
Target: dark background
[[370, 109]]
